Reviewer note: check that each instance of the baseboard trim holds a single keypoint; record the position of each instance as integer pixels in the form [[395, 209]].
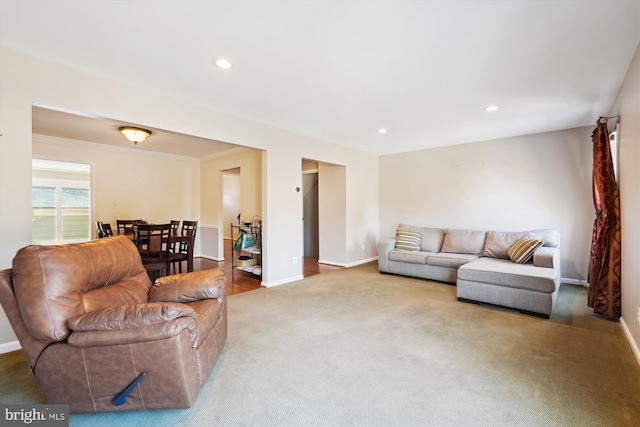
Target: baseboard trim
[[347, 265], [632, 343], [211, 258], [10, 346], [282, 281], [578, 282]]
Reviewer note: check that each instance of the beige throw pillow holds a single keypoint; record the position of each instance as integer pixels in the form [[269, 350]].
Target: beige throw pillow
[[408, 240]]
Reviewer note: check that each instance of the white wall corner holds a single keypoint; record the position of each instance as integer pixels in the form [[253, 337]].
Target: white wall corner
[[282, 281], [632, 343]]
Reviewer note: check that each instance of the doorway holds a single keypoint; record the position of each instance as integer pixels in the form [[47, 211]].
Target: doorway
[[310, 214], [231, 197]]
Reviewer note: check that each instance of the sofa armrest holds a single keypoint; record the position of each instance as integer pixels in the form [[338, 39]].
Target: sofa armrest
[[547, 257], [189, 287], [132, 324], [384, 247]]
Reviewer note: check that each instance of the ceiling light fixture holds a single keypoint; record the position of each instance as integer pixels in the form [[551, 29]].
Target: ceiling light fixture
[[134, 134], [382, 131], [225, 64], [491, 108]]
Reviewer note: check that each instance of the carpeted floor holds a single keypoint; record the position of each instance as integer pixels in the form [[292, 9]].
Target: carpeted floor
[[357, 348]]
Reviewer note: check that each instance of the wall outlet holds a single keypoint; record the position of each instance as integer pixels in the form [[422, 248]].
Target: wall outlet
[[363, 246], [294, 260]]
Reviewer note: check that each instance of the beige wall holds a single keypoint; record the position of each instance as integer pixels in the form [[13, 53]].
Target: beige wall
[[25, 81], [332, 218], [249, 181], [154, 187], [512, 184], [627, 106]]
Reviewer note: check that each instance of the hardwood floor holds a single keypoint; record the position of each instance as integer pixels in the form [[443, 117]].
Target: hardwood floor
[[243, 281]]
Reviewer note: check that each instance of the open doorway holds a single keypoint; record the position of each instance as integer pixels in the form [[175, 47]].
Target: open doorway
[[310, 209], [313, 204], [231, 196]]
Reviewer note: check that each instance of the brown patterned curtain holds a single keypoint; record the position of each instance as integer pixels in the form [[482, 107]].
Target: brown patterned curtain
[[604, 264]]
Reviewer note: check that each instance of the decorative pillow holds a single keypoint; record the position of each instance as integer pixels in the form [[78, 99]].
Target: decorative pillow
[[431, 238], [522, 250], [408, 240]]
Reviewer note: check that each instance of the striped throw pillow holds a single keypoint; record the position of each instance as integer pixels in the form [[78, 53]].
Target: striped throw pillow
[[408, 240], [522, 250]]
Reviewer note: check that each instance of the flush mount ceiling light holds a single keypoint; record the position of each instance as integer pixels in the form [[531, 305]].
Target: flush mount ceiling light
[[134, 134], [491, 108], [382, 131], [223, 63]]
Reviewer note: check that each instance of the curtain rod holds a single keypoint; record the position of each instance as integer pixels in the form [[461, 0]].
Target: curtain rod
[[604, 119]]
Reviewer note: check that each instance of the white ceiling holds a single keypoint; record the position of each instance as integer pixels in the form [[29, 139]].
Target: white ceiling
[[340, 70]]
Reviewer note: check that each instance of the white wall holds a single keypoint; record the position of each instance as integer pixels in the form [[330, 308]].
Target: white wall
[[26, 81], [512, 184], [627, 106]]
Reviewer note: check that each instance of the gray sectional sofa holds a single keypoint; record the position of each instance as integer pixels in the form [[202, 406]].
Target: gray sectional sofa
[[479, 263]]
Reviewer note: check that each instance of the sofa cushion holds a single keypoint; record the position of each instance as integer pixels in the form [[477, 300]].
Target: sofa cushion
[[407, 256], [407, 240], [431, 240], [497, 243], [522, 250], [443, 259], [463, 241], [503, 272]]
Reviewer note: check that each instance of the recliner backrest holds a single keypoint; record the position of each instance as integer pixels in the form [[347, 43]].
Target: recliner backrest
[[55, 283]]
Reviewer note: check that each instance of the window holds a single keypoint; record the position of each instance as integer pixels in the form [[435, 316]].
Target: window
[[61, 202]]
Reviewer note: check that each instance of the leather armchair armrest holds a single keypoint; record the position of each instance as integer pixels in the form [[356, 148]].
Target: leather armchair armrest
[[156, 332], [189, 287], [384, 247], [132, 324]]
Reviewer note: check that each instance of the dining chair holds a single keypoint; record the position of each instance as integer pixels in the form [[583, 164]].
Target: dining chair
[[99, 229], [180, 252], [106, 229], [154, 245], [175, 225], [125, 226]]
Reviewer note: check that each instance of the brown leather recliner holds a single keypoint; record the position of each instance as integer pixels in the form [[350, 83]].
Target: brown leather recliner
[[91, 323]]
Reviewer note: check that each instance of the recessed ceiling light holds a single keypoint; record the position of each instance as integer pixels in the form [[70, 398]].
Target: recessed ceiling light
[[382, 130], [222, 63], [491, 108]]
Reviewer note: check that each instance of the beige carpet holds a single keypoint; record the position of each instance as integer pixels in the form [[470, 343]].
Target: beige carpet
[[357, 348]]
